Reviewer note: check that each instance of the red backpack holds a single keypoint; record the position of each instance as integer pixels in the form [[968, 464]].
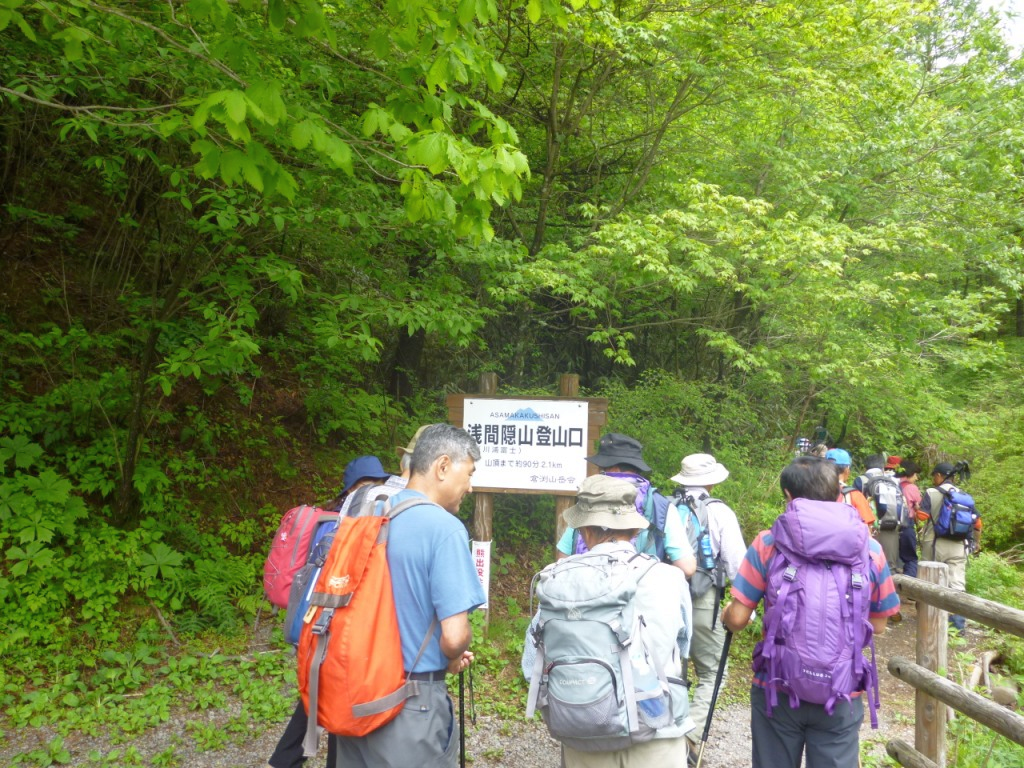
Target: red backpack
[[351, 676], [290, 549]]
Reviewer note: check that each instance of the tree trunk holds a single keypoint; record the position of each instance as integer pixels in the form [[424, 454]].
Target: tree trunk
[[407, 362], [128, 497]]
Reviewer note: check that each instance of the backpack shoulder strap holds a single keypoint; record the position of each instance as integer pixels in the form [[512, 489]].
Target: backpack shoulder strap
[[703, 505], [946, 494], [698, 506], [656, 512], [401, 506], [655, 509], [410, 688], [642, 563]]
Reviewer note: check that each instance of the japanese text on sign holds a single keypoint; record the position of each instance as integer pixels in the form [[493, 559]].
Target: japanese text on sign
[[528, 444]]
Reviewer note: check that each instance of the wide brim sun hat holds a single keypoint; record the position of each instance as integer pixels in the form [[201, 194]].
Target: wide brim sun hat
[[605, 502], [401, 450], [616, 450], [701, 469], [363, 468]]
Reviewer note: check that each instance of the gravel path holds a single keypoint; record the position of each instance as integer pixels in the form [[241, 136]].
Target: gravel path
[[493, 741]]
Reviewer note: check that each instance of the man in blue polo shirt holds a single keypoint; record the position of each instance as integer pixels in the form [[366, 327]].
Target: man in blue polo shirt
[[435, 587]]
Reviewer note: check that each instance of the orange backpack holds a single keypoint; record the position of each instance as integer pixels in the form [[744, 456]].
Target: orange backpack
[[350, 668]]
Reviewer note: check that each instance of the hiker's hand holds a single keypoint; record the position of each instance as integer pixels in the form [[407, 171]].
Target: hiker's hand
[[459, 663]]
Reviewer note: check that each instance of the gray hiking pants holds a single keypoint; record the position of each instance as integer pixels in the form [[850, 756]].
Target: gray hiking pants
[[890, 541], [659, 752], [953, 554], [424, 735], [830, 741], [705, 655]]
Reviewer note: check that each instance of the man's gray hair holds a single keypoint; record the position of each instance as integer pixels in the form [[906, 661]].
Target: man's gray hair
[[440, 440]]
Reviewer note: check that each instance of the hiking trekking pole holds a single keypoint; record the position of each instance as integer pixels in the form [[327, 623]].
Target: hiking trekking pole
[[714, 695], [462, 719]]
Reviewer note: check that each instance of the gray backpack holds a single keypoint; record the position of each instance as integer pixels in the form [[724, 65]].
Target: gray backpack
[[886, 496], [710, 569], [595, 679]]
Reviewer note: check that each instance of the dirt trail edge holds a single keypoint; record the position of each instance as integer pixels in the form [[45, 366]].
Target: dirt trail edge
[[492, 741]]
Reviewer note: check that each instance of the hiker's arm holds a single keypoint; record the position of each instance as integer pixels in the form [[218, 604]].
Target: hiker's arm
[[687, 564], [455, 637], [566, 544], [677, 543], [879, 623], [736, 615]]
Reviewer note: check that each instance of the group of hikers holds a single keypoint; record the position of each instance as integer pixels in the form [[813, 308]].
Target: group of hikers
[[631, 608]]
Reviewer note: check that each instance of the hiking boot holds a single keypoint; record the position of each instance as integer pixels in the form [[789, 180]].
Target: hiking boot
[[897, 617]]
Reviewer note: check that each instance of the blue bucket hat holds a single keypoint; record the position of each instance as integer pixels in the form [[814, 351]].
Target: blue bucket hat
[[839, 456], [363, 467]]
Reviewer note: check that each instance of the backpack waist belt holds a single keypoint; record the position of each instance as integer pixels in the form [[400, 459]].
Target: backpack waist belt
[[437, 676]]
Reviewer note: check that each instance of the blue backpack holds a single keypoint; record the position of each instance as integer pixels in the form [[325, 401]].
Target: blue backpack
[[305, 579], [362, 503], [817, 608], [956, 516]]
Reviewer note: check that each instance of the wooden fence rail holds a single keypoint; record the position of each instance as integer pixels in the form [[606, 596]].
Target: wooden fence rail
[[975, 706], [992, 614], [933, 690]]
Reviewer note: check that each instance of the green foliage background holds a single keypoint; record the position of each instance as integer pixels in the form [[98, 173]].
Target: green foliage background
[[245, 242]]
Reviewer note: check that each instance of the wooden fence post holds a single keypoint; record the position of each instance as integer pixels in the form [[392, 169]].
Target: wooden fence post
[[932, 644], [568, 386]]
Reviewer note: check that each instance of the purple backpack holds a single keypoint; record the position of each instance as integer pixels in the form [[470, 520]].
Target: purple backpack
[[817, 602]]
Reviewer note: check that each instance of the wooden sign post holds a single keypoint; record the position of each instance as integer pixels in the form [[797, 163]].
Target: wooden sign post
[[483, 503]]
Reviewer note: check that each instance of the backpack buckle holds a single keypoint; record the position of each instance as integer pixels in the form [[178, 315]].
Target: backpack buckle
[[320, 628], [857, 580], [790, 573]]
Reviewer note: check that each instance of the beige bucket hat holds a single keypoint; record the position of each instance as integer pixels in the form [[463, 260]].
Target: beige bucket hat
[[401, 450], [605, 502], [701, 469]]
